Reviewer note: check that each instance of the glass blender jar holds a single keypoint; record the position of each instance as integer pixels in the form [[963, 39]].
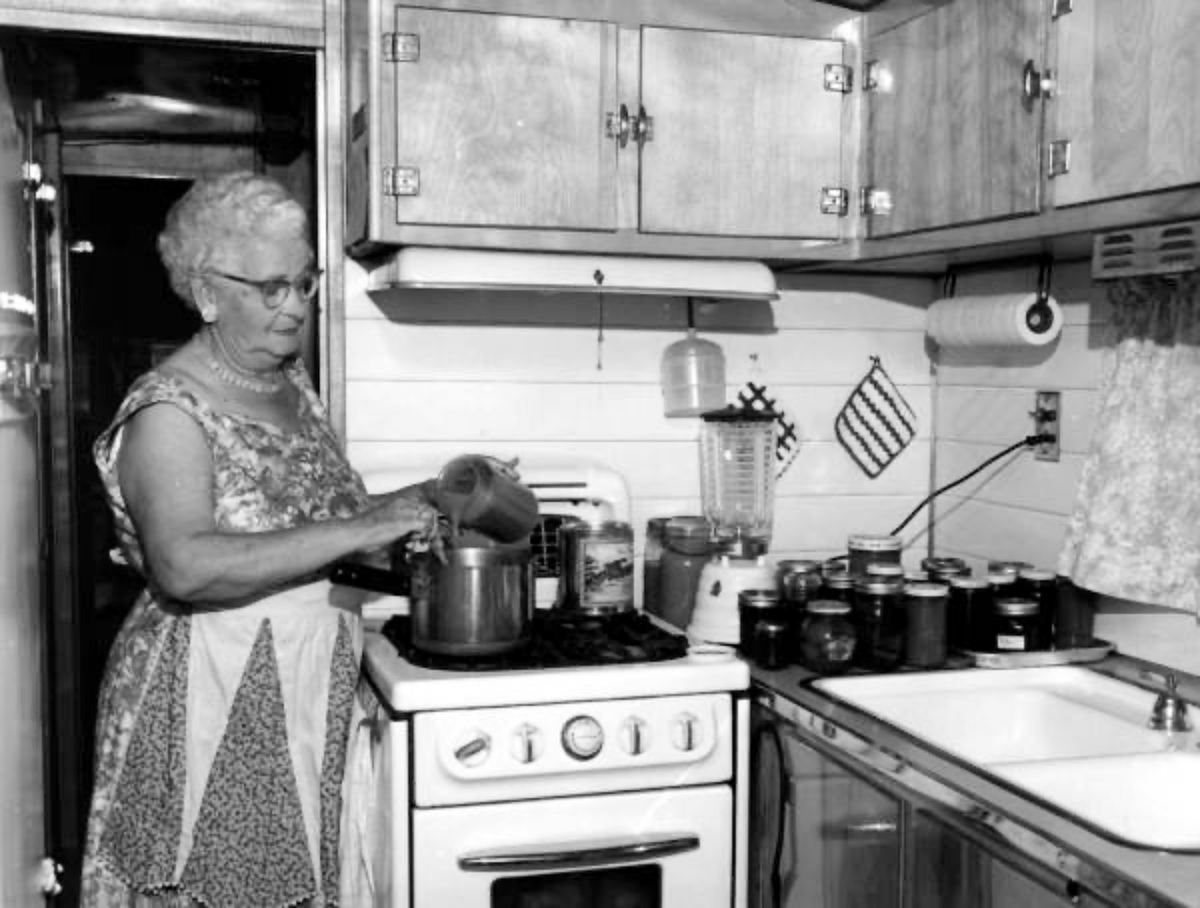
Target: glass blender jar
[[737, 475]]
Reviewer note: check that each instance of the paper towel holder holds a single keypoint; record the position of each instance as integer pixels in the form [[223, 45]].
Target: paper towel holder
[[1040, 316]]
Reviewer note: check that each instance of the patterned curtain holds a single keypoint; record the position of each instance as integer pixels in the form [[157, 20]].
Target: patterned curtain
[[1135, 529]]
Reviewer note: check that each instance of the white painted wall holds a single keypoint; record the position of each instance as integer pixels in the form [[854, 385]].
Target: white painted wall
[[427, 393]]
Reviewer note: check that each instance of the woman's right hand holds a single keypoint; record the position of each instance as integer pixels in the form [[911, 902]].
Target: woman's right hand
[[401, 516]]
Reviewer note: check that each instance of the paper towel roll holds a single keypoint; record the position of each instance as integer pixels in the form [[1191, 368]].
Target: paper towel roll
[[999, 320]]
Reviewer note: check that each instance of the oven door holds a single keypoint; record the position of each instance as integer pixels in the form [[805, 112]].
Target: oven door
[[666, 848]]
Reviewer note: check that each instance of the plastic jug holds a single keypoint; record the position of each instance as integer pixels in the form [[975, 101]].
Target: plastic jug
[[692, 374]]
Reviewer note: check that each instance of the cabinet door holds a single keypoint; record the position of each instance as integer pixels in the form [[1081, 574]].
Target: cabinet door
[[950, 871], [1126, 99], [745, 135], [821, 836], [948, 134], [499, 120]]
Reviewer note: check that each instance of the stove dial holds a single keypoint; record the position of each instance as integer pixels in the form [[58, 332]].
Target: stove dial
[[685, 732], [634, 736], [527, 744], [475, 748], [582, 737]]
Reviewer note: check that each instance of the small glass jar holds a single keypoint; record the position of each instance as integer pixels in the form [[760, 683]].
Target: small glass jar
[[798, 579], [969, 614], [755, 606], [1042, 587], [839, 586], [652, 551], [769, 645], [827, 638], [866, 549], [1016, 626], [925, 624], [879, 623]]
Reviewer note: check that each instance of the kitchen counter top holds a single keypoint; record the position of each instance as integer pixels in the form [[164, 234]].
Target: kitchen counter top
[[1131, 877]]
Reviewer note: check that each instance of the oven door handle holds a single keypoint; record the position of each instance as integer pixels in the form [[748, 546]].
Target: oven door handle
[[579, 854]]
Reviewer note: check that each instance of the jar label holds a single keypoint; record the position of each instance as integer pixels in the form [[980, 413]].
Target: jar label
[[1010, 642], [607, 574]]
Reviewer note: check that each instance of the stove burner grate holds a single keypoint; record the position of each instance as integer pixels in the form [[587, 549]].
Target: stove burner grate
[[557, 640]]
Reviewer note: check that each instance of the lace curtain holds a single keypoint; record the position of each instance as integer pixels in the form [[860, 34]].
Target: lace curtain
[[1135, 529]]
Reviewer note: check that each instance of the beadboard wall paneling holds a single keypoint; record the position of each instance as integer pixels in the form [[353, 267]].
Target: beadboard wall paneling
[[424, 393], [978, 531], [1001, 416]]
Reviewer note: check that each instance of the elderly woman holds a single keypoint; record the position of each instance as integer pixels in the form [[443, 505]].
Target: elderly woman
[[230, 692]]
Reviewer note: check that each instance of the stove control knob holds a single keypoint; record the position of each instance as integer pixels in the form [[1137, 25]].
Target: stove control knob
[[582, 737], [634, 736], [527, 744], [685, 732], [474, 750]]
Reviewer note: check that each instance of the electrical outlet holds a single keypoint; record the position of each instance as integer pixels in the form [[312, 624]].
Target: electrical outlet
[[1047, 420]]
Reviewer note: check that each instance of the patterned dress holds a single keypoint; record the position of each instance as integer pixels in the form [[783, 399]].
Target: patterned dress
[[222, 734]]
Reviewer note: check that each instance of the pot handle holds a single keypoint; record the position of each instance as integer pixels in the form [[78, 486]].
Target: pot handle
[[372, 579]]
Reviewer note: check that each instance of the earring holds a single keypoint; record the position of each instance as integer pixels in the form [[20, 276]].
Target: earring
[[209, 313]]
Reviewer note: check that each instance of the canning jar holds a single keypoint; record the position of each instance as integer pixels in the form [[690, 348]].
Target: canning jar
[[839, 586], [827, 637], [756, 606], [686, 548], [1042, 587], [886, 571], [769, 645], [969, 614], [878, 611], [940, 570], [798, 580], [925, 624], [1016, 626], [652, 550], [867, 548]]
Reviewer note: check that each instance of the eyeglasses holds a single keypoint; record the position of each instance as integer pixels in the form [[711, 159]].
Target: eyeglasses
[[274, 291]]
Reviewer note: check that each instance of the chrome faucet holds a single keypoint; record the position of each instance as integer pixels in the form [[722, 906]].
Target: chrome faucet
[[1170, 711]]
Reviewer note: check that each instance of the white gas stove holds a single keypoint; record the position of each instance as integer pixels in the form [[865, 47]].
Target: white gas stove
[[550, 781]]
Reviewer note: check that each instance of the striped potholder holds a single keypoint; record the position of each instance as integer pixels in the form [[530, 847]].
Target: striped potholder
[[876, 423]]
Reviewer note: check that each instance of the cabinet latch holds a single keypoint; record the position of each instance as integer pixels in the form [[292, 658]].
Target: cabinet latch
[[835, 200], [1058, 158], [402, 181], [838, 77], [1061, 8], [872, 200], [401, 47]]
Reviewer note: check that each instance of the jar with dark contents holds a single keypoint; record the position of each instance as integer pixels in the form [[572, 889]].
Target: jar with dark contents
[[827, 637], [798, 580], [1042, 587], [1002, 584], [925, 624], [878, 611], [652, 551], [940, 570], [770, 644], [998, 566], [865, 549], [1016, 627], [886, 571], [755, 606], [839, 586], [969, 615]]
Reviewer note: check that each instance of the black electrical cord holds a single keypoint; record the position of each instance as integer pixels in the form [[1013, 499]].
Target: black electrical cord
[[1028, 441]]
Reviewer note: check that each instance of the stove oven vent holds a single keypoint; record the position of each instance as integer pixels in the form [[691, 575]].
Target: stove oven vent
[[1158, 249]]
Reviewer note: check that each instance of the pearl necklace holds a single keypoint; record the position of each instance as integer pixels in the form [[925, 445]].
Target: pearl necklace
[[221, 363]]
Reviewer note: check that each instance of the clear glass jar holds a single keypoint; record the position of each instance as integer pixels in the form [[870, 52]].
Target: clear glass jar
[[925, 624], [827, 637], [686, 548], [879, 623]]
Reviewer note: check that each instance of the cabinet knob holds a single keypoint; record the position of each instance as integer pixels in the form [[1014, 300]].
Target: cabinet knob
[[618, 126], [1035, 84]]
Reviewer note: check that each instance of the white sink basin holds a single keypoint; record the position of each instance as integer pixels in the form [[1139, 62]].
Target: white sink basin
[[989, 717], [1145, 800]]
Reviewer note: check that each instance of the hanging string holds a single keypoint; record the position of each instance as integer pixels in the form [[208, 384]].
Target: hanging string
[[598, 277]]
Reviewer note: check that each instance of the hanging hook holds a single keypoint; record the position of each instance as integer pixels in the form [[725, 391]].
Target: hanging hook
[[1040, 316], [949, 283], [598, 277]]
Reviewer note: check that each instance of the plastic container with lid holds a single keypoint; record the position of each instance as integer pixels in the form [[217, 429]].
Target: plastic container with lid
[[867, 548], [925, 624], [827, 637], [692, 374], [687, 545], [878, 614], [1016, 626]]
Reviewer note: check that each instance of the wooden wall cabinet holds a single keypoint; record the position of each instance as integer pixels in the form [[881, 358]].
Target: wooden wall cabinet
[[950, 137], [522, 131], [1126, 98]]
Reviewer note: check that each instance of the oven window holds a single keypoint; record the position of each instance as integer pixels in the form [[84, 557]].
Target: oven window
[[622, 887]]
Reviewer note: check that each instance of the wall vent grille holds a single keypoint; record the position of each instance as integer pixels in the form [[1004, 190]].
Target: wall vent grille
[[1160, 249]]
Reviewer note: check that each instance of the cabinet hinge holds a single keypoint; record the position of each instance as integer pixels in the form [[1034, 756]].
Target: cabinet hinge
[[838, 77], [401, 181], [871, 72], [835, 200], [401, 47], [1062, 7], [872, 200], [1058, 158]]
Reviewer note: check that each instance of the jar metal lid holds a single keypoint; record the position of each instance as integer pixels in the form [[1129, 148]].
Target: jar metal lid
[[797, 566], [839, 581], [1016, 607], [1038, 575], [879, 585], [827, 607], [889, 571], [927, 590], [757, 598], [688, 527], [834, 566], [1007, 567], [870, 542], [970, 583], [943, 564], [913, 576], [1001, 579]]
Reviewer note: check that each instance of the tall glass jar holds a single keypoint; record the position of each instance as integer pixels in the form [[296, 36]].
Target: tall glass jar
[[686, 548], [1042, 587], [925, 624], [652, 551], [969, 616], [879, 623]]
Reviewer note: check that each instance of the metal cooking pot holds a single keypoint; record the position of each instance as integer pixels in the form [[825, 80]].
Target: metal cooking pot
[[479, 602]]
